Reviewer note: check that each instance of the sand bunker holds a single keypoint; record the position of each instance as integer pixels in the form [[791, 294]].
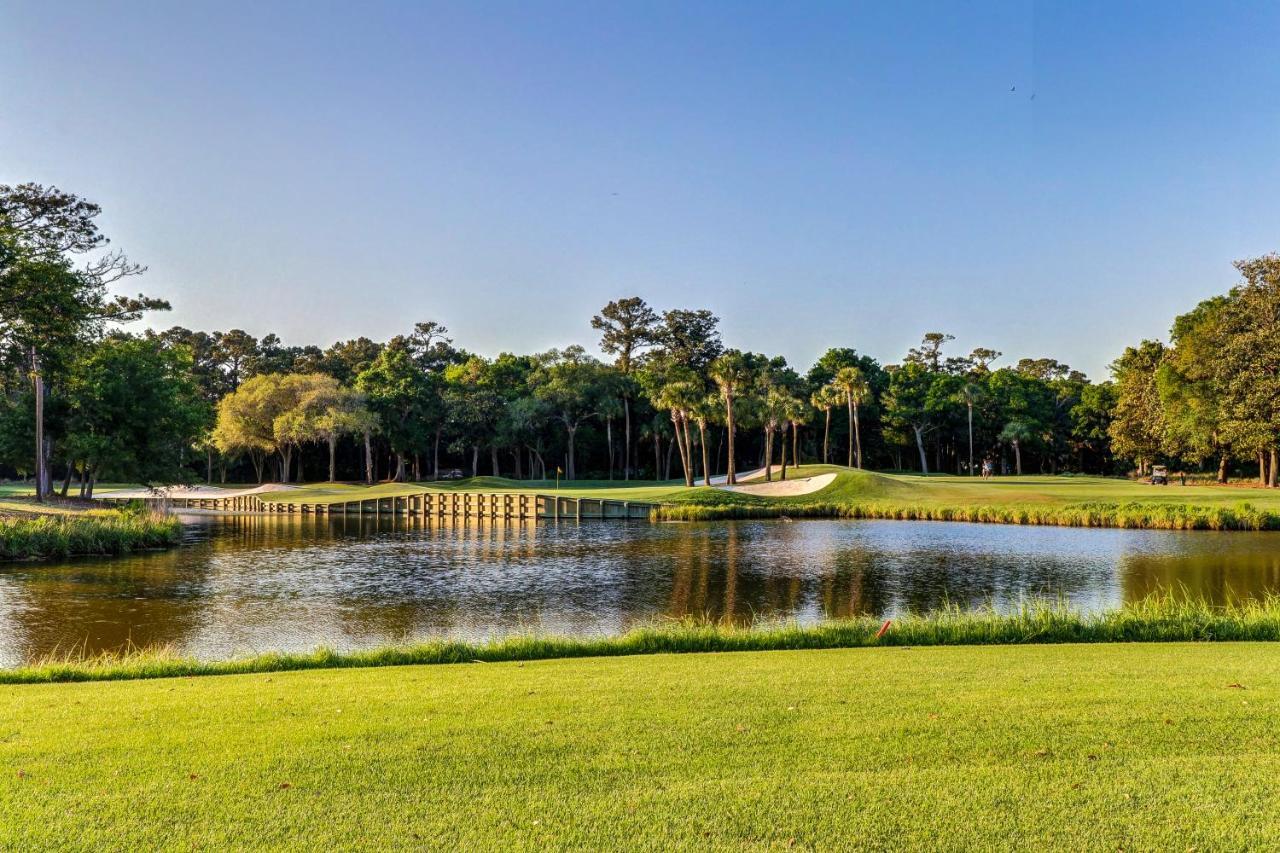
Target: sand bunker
[[193, 491], [784, 488]]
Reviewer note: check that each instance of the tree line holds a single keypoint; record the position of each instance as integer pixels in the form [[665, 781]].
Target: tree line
[[1211, 396], [88, 400]]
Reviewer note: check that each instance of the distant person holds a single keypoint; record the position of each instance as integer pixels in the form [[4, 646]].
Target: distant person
[[986, 469]]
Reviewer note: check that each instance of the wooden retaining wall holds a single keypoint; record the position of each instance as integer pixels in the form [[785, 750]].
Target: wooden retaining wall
[[424, 504]]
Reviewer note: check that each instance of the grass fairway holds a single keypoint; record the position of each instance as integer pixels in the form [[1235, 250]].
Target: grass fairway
[[1064, 500], [1107, 746]]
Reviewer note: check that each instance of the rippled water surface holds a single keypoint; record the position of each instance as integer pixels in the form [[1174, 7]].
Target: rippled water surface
[[246, 584]]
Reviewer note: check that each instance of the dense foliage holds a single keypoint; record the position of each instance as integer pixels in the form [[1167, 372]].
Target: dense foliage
[[674, 401]]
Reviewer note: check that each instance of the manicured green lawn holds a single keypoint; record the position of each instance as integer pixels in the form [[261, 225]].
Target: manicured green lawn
[[1067, 500], [869, 486], [850, 486], [636, 490], [1170, 746]]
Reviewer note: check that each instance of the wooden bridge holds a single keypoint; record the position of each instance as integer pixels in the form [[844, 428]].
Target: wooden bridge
[[425, 504]]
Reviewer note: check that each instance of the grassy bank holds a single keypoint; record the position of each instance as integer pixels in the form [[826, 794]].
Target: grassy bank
[[1161, 619], [53, 534], [1132, 514], [1067, 747], [1064, 501], [1067, 500]]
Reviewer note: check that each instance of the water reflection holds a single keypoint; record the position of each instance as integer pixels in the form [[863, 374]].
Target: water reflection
[[257, 583]]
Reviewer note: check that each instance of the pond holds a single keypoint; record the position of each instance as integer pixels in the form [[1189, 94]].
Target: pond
[[245, 584]]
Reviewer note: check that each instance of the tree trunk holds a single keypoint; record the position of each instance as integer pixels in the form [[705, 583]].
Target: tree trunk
[[493, 459], [285, 453], [1222, 469], [731, 471], [299, 477], [571, 471], [1262, 469], [970, 439], [66, 481], [333, 457], [608, 440], [795, 444], [857, 434], [849, 402], [826, 440], [399, 477], [368, 459], [702, 439], [683, 448], [782, 474], [768, 455], [1017, 458], [666, 468], [37, 379], [208, 471], [475, 460], [515, 454], [435, 455], [626, 439], [924, 462], [1272, 478], [688, 450], [657, 455]]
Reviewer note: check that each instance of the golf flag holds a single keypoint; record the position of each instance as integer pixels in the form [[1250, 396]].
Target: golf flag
[[559, 470]]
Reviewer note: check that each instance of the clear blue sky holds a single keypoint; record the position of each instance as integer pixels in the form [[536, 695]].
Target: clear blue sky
[[819, 175]]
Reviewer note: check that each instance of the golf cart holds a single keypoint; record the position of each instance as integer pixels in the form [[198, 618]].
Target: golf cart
[[1159, 475]]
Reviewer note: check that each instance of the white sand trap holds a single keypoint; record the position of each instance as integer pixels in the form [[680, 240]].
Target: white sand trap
[[194, 491], [785, 488]]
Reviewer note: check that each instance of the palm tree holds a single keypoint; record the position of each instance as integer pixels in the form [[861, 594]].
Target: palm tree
[[704, 411], [856, 389], [826, 398], [680, 397], [970, 393], [1016, 432], [731, 373], [796, 413], [772, 416]]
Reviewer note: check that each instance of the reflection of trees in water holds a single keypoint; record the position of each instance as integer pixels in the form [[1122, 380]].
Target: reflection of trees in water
[[1217, 576], [263, 582], [854, 587], [98, 605]]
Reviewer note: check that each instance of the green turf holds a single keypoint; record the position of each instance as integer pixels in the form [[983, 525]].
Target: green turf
[[1070, 747], [638, 490], [1066, 499], [849, 486], [1062, 500], [1165, 618]]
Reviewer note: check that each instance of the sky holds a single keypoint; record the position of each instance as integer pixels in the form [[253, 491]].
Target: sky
[[1046, 179]]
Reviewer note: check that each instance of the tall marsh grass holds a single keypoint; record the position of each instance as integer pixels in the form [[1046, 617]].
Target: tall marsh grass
[[91, 533], [1132, 514], [1157, 619]]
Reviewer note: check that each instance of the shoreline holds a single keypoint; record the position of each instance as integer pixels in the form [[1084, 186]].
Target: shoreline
[[91, 533], [1160, 619], [1126, 516]]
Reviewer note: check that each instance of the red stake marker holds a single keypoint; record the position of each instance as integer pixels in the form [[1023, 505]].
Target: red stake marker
[[884, 629]]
